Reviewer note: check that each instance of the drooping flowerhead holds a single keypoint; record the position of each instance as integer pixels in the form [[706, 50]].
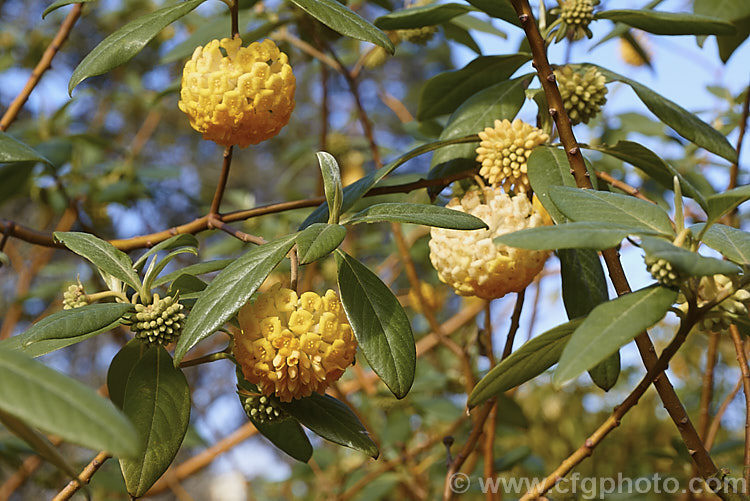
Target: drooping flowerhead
[[291, 346], [243, 97], [503, 153], [574, 20], [583, 92], [471, 262]]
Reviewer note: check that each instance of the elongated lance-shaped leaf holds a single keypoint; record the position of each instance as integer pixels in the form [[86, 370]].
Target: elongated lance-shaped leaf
[[682, 121], [182, 240], [13, 150], [332, 186], [379, 323], [44, 346], [76, 322], [345, 21], [160, 264], [605, 373], [332, 420], [592, 205], [721, 203], [524, 364], [123, 45], [101, 254], [668, 23], [498, 9], [355, 191], [61, 3], [685, 261], [319, 240], [229, 291], [597, 235], [445, 92], [428, 215], [60, 405], [157, 401], [649, 162], [609, 326], [194, 269], [416, 17], [734, 244]]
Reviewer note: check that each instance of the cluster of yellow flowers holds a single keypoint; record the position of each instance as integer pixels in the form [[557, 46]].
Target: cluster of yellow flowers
[[291, 346], [243, 97], [474, 265]]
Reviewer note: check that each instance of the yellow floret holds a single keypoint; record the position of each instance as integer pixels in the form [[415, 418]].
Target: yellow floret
[[291, 347], [504, 151], [242, 98], [472, 263]]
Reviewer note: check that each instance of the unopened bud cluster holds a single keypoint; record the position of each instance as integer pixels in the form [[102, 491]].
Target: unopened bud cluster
[[504, 151], [159, 322], [576, 15], [471, 262], [243, 97], [264, 409], [583, 92], [728, 311], [74, 297], [419, 36], [663, 272]]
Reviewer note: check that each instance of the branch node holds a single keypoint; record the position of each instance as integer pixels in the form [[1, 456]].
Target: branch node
[[553, 112], [551, 77], [524, 18], [574, 150]]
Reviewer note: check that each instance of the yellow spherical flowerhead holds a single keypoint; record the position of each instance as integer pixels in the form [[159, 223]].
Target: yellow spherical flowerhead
[[291, 346], [243, 97], [474, 265], [504, 151]]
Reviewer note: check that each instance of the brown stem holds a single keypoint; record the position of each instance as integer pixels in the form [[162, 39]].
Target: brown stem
[[630, 190], [735, 169], [222, 184], [83, 478], [713, 429], [707, 392], [43, 65], [739, 346], [491, 423], [200, 224], [666, 392], [234, 13], [515, 321], [240, 235]]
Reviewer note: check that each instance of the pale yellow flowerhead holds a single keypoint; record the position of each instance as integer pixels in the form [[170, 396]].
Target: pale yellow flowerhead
[[293, 346], [242, 98], [504, 151], [471, 262]]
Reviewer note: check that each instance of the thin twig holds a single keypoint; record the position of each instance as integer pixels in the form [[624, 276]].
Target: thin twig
[[707, 391], [234, 13], [621, 185], [222, 184], [515, 321], [294, 273], [308, 49], [491, 423], [735, 169], [84, 478], [739, 346], [42, 66], [713, 429], [240, 235]]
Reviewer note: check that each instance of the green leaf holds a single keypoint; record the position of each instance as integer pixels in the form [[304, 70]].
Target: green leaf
[[592, 205], [425, 214], [497, 102], [229, 291], [473, 23], [60, 405], [38, 442], [445, 92], [157, 266], [605, 373], [123, 45], [583, 284], [547, 167], [735, 11], [319, 240], [332, 186], [332, 420], [157, 401], [733, 244], [101, 254], [188, 286], [286, 434], [355, 191], [649, 162], [42, 347], [121, 367], [379, 323], [76, 322], [182, 240], [534, 357], [687, 262], [460, 35], [416, 17], [15, 178], [720, 204], [682, 121], [61, 3], [13, 150], [194, 269], [595, 235], [609, 326], [668, 23], [500, 9], [345, 21], [510, 413]]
